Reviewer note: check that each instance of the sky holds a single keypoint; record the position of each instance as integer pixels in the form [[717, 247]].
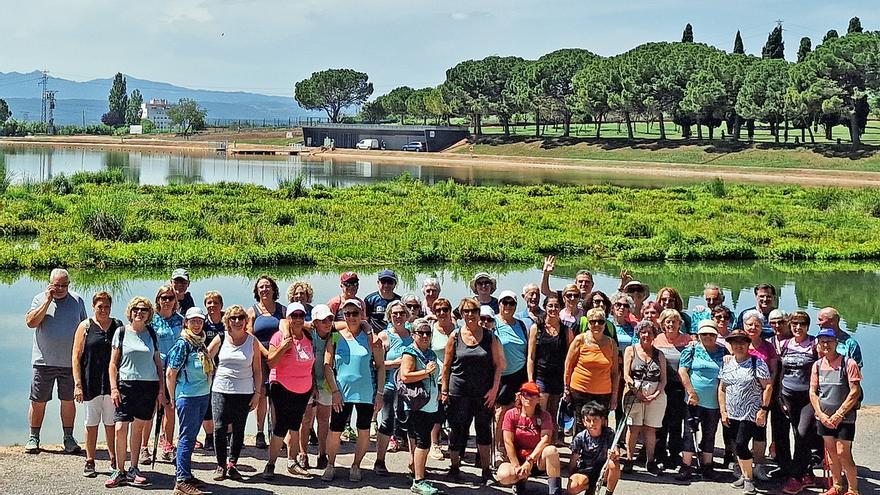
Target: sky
[[266, 46]]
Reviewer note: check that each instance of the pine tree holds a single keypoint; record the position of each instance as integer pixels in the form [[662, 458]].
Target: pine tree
[[738, 44], [805, 48], [855, 26], [775, 47], [688, 35], [118, 100], [830, 35], [133, 111]]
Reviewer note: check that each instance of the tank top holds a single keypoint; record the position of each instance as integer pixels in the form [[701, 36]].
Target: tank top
[[472, 371], [353, 363], [592, 373], [95, 359], [438, 345], [396, 344], [833, 389], [646, 373], [266, 326], [235, 372], [797, 363], [550, 351]]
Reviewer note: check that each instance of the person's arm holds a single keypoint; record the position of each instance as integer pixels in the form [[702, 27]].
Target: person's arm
[[571, 359], [115, 356], [722, 403], [533, 346], [766, 398], [615, 373], [35, 316], [684, 372], [510, 448], [277, 350], [379, 359], [448, 353], [214, 346], [627, 367], [549, 266], [330, 374], [157, 360], [500, 363], [661, 387], [79, 342], [171, 380], [257, 367]]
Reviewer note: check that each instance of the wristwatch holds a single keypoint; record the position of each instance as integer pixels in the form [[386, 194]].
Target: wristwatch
[[765, 408]]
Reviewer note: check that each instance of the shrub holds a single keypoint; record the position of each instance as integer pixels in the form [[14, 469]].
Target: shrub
[[114, 176], [102, 218], [716, 188], [294, 188]]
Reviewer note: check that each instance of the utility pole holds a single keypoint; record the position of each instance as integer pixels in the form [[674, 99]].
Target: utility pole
[[50, 114], [44, 82]]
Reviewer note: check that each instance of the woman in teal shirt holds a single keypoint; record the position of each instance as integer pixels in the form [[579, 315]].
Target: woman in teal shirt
[[394, 339], [514, 338], [167, 323]]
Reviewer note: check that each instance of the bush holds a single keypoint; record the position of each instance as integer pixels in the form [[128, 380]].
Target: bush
[[103, 219], [60, 185], [294, 188], [717, 188], [114, 176]]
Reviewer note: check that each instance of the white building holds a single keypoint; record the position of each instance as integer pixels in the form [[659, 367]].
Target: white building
[[156, 111]]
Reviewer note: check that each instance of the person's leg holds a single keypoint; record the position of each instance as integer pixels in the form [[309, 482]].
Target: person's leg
[[306, 426], [121, 434], [338, 421], [549, 462], [780, 428], [460, 417], [632, 434], [262, 412], [298, 405], [709, 424], [91, 442], [577, 483], [168, 425], [506, 474], [239, 421], [137, 433], [834, 465], [612, 475], [650, 439], [323, 415], [744, 431], [191, 412], [364, 411], [675, 441], [500, 411], [221, 423], [40, 394], [847, 464], [68, 413], [386, 425], [110, 437], [36, 413], [483, 429], [281, 401], [419, 425], [553, 409]]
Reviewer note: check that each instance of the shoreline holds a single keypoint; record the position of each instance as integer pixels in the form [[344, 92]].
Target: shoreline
[[631, 169]]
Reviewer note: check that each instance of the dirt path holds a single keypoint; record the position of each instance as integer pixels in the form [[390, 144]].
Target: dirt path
[[54, 473]]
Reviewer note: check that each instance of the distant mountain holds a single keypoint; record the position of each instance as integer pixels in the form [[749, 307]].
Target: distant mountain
[[89, 98]]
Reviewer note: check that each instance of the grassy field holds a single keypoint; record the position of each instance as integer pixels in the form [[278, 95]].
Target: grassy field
[[95, 220]]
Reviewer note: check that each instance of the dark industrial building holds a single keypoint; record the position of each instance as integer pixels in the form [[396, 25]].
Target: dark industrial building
[[437, 138]]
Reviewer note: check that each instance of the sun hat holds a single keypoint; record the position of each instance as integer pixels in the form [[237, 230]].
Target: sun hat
[[505, 294], [481, 276], [195, 312], [321, 311], [294, 307], [738, 334], [634, 284], [707, 327]]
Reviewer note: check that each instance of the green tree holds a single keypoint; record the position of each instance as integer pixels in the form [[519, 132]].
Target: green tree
[[830, 35], [775, 46], [762, 96], [118, 99], [525, 89], [688, 35], [133, 111], [593, 86], [333, 90], [395, 101], [417, 106], [373, 112], [187, 115], [804, 49], [738, 44], [438, 104], [855, 26], [479, 88], [555, 73], [5, 113]]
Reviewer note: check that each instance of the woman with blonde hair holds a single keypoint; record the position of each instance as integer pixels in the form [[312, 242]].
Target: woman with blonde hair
[[671, 342], [591, 366], [167, 323]]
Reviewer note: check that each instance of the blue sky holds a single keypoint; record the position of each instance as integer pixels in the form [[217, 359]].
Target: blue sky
[[266, 46]]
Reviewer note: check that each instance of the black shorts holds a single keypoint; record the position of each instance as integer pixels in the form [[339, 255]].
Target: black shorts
[[419, 425], [137, 400], [509, 386], [338, 420], [551, 385], [289, 408], [844, 431]]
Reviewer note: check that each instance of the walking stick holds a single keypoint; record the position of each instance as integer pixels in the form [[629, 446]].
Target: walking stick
[[160, 414], [601, 485]]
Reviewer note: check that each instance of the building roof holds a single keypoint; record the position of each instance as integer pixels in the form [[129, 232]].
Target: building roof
[[384, 127]]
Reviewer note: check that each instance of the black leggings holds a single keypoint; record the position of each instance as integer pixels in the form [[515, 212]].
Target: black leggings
[[743, 433], [229, 409], [338, 420], [701, 418], [801, 419], [289, 408], [669, 437], [463, 410], [419, 426]]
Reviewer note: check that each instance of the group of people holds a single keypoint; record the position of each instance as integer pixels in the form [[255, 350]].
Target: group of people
[[515, 368]]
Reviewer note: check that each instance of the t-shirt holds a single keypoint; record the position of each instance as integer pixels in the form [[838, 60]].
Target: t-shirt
[[672, 352], [765, 352], [526, 430], [53, 337], [593, 451], [167, 331], [625, 334], [742, 390], [294, 369], [847, 346], [186, 303], [431, 382], [514, 340], [701, 313], [353, 361], [191, 378], [136, 359], [319, 345], [376, 305], [704, 367], [797, 360], [493, 303], [438, 345], [527, 319]]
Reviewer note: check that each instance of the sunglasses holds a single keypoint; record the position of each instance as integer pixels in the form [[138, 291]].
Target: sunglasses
[[798, 323], [423, 333], [140, 310], [414, 306], [237, 318], [444, 309], [350, 284], [720, 317], [597, 322], [350, 314], [487, 319], [484, 282], [508, 302], [572, 296], [470, 311], [528, 395], [621, 305], [298, 315], [598, 302], [399, 313], [166, 298], [387, 281]]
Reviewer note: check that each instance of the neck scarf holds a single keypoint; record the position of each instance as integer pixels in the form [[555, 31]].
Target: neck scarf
[[198, 341]]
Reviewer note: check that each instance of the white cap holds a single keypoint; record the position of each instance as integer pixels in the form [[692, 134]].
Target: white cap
[[355, 302], [321, 311], [507, 293], [195, 312], [487, 311], [295, 306]]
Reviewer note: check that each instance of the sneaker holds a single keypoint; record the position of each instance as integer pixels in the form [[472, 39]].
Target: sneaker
[[71, 446], [269, 472], [196, 482], [486, 477], [626, 466], [349, 435], [145, 458], [355, 474], [761, 472], [117, 478], [135, 477], [708, 473], [749, 487], [168, 452], [89, 469], [653, 468], [186, 488], [793, 486], [519, 488], [232, 472], [322, 461], [738, 483], [219, 474], [329, 473], [808, 480], [393, 445], [380, 469], [302, 460], [454, 470], [685, 473], [834, 490], [435, 452], [422, 487], [296, 469], [260, 442]]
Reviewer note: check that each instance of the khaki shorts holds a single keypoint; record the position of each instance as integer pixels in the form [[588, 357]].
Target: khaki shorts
[[44, 379], [100, 409], [648, 413]]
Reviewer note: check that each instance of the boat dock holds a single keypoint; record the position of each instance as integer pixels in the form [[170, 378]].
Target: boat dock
[[231, 149]]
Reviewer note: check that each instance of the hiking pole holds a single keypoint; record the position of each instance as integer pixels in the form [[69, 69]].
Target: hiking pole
[[601, 485], [160, 414], [693, 421]]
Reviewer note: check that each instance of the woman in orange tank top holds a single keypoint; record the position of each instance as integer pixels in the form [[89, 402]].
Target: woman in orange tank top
[[591, 368]]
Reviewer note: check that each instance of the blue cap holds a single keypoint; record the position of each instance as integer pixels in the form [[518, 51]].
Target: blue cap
[[827, 332], [387, 274]]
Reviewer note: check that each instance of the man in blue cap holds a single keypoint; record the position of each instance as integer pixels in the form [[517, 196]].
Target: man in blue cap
[[379, 300]]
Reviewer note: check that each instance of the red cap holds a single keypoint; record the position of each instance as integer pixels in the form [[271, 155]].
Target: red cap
[[530, 388], [348, 277]]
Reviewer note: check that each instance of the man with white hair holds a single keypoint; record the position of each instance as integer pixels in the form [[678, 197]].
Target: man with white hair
[[714, 297], [55, 315]]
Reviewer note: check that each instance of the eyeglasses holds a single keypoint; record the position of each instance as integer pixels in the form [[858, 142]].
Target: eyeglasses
[[527, 395], [484, 282], [720, 317], [470, 311], [423, 333], [597, 322], [61, 286], [414, 306], [237, 318], [621, 305], [444, 309], [598, 302], [508, 302], [140, 310], [572, 296], [797, 323], [667, 299], [351, 314], [166, 298], [402, 314], [350, 284], [487, 319], [297, 316]]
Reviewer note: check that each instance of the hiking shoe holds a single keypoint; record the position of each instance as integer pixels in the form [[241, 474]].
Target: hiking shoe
[[329, 473], [89, 469], [71, 446], [653, 468], [435, 452], [626, 466], [196, 482], [145, 458], [269, 472], [738, 483], [135, 477], [761, 472], [808, 480], [219, 474], [393, 445], [708, 473], [209, 443], [793, 486], [303, 460], [454, 470], [260, 443], [355, 474], [186, 488], [322, 461], [422, 487], [519, 488], [834, 490], [486, 477], [168, 452], [232, 472], [295, 469], [685, 473], [117, 478], [349, 435], [380, 469], [749, 487]]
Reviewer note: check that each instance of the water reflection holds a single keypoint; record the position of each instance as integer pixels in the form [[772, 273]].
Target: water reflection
[[158, 168]]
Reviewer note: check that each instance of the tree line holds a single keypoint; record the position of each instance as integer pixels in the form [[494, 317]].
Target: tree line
[[692, 85]]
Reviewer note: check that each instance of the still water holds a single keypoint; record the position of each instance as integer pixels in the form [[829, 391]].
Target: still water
[[39, 163], [851, 288]]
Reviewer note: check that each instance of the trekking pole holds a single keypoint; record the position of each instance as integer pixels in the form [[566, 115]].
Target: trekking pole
[[160, 414], [601, 485]]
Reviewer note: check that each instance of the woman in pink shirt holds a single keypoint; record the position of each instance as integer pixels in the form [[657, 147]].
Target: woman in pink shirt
[[291, 385]]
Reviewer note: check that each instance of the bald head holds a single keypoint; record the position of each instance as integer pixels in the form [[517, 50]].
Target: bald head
[[829, 318]]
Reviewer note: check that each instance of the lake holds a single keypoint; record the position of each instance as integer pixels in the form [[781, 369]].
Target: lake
[[851, 288], [39, 163]]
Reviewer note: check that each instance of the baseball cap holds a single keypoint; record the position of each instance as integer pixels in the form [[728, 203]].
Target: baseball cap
[[827, 332], [348, 277], [195, 313], [707, 327], [180, 273], [507, 293], [351, 302], [387, 274], [530, 388], [294, 307], [321, 311]]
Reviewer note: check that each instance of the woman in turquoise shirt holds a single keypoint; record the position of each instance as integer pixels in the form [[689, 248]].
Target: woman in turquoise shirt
[[167, 323], [394, 339], [514, 338]]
